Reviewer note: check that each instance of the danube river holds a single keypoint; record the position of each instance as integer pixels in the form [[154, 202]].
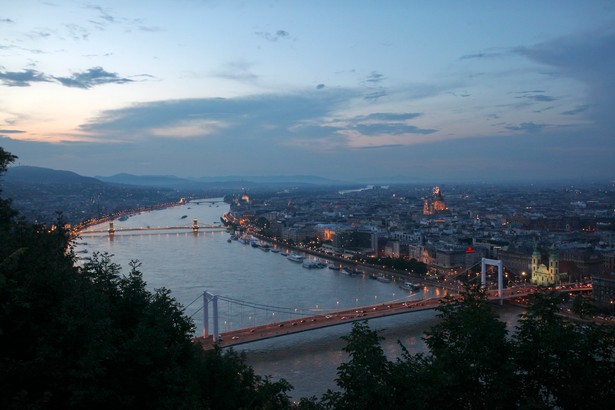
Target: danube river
[[189, 263]]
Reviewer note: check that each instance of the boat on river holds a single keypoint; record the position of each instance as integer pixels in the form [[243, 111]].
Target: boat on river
[[294, 257], [410, 286], [311, 265], [383, 279]]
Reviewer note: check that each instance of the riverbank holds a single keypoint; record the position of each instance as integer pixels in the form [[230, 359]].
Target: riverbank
[[367, 268]]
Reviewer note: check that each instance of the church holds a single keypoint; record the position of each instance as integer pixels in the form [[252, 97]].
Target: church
[[546, 275]]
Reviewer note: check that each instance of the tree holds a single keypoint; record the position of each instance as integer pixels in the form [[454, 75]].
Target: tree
[[364, 378], [91, 337], [560, 363], [468, 366], [473, 363]]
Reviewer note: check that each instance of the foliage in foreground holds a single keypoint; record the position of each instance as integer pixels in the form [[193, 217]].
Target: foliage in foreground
[[473, 363], [92, 337]]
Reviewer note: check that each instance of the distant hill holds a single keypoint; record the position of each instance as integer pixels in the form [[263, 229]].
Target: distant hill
[[39, 194], [280, 179], [169, 181], [38, 175], [223, 182]]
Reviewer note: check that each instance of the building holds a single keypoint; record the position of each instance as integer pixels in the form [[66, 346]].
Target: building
[[518, 261], [543, 275], [603, 290], [437, 203]]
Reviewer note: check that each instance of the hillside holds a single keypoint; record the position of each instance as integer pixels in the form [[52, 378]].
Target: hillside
[[39, 194]]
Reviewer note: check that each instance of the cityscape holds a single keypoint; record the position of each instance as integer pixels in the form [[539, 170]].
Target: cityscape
[[307, 205], [525, 227], [439, 231]]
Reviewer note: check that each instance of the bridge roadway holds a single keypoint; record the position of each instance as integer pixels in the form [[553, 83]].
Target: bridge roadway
[[339, 317], [306, 323], [157, 228]]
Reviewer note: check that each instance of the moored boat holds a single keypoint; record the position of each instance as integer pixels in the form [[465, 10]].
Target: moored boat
[[410, 286], [310, 265], [294, 257]]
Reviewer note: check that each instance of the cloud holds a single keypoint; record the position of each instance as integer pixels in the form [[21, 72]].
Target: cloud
[[381, 116], [373, 83], [91, 77], [273, 37], [77, 32], [528, 127], [538, 97], [310, 121], [87, 79], [5, 20], [263, 118], [391, 129], [151, 29], [577, 110], [103, 15], [374, 78], [481, 55], [586, 57], [237, 71], [11, 132], [37, 35], [379, 124], [22, 78], [320, 86], [375, 95], [541, 98]]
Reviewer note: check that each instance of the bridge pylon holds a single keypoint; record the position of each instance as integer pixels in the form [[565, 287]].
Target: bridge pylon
[[214, 299], [111, 229], [483, 275], [195, 225]]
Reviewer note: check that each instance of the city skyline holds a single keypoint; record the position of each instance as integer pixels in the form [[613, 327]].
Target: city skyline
[[346, 90]]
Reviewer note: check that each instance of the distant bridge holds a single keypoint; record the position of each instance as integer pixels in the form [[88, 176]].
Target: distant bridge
[[195, 227]]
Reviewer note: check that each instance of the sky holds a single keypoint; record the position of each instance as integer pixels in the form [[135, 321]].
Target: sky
[[426, 91]]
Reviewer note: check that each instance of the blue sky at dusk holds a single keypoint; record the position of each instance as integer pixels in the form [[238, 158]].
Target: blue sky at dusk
[[433, 91]]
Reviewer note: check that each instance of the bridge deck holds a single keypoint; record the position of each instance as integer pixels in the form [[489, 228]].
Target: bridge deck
[[339, 317], [158, 228], [298, 325]]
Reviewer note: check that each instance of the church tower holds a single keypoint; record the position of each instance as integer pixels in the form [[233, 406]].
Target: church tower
[[535, 259]]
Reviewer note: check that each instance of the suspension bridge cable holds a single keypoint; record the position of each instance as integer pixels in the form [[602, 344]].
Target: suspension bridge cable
[[278, 309], [190, 304], [295, 311], [197, 311]]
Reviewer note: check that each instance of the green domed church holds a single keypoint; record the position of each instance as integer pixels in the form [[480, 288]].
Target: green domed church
[[543, 275]]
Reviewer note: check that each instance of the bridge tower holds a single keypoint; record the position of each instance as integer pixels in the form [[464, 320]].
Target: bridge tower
[[111, 229], [483, 274], [195, 225], [214, 299]]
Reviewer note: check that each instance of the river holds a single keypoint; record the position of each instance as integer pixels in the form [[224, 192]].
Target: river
[[189, 263]]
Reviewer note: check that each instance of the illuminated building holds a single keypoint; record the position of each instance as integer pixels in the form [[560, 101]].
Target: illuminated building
[[543, 275], [437, 203], [438, 200]]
